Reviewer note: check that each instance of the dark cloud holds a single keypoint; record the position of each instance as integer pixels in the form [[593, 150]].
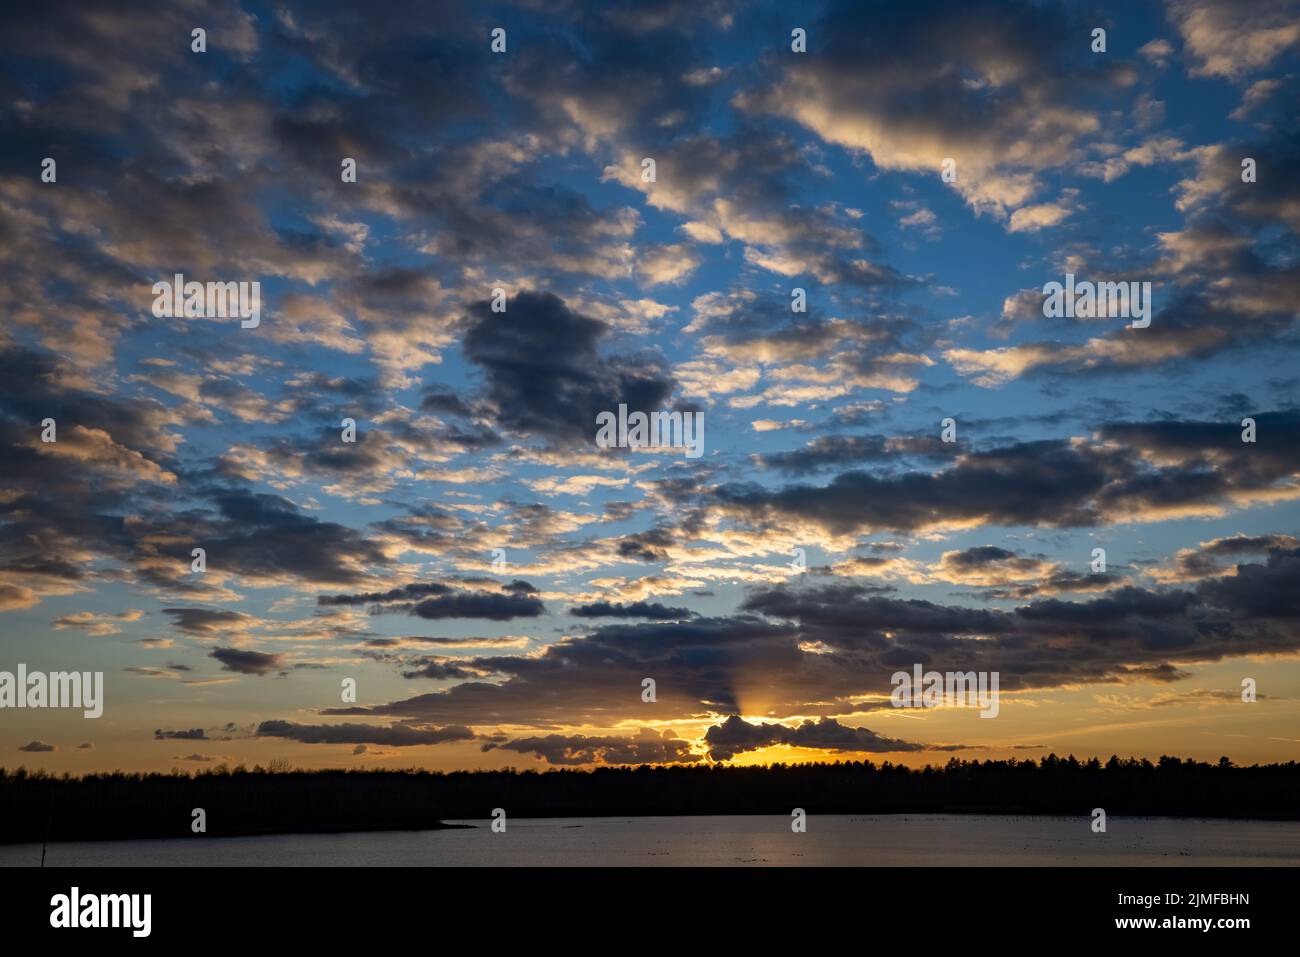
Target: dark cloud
[[1134, 468], [736, 736], [1207, 559], [821, 649], [1267, 591], [1051, 482], [597, 677], [636, 609], [440, 668], [66, 498], [839, 450], [480, 605], [409, 592], [207, 622], [115, 455], [193, 734], [1004, 573], [647, 747], [264, 539], [438, 398], [648, 546], [981, 555], [397, 735], [1058, 581], [247, 662], [434, 600], [266, 536], [545, 374]]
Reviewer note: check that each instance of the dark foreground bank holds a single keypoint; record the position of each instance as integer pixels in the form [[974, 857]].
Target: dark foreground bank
[[38, 807]]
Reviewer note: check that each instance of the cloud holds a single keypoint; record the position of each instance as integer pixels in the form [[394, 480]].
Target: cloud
[[193, 734], [397, 735], [671, 263], [736, 736], [95, 448], [545, 375], [829, 650], [811, 357], [646, 747], [596, 677], [435, 600], [1133, 471], [1158, 51], [268, 539], [1009, 574], [247, 662], [1206, 559], [208, 622], [155, 642], [1228, 41], [828, 451], [472, 605], [94, 624], [997, 89], [1217, 283], [504, 641], [775, 171], [1260, 591], [150, 672], [637, 609], [1031, 219], [441, 668]]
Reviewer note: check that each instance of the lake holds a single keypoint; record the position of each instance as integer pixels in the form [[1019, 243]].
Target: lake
[[837, 840]]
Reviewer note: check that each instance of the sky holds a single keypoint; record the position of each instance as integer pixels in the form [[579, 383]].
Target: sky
[[497, 585]]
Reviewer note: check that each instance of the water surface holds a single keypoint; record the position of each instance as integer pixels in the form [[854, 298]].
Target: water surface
[[840, 840]]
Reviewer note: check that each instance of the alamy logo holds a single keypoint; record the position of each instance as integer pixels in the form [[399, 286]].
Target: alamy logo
[[103, 910], [58, 689], [656, 430], [1100, 300], [213, 300], [950, 689]]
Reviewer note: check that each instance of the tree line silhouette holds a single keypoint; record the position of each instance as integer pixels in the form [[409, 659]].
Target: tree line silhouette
[[37, 806]]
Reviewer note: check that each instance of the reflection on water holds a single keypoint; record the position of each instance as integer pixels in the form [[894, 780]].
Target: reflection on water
[[857, 840]]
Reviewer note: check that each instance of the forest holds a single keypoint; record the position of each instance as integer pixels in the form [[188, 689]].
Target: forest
[[36, 806]]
